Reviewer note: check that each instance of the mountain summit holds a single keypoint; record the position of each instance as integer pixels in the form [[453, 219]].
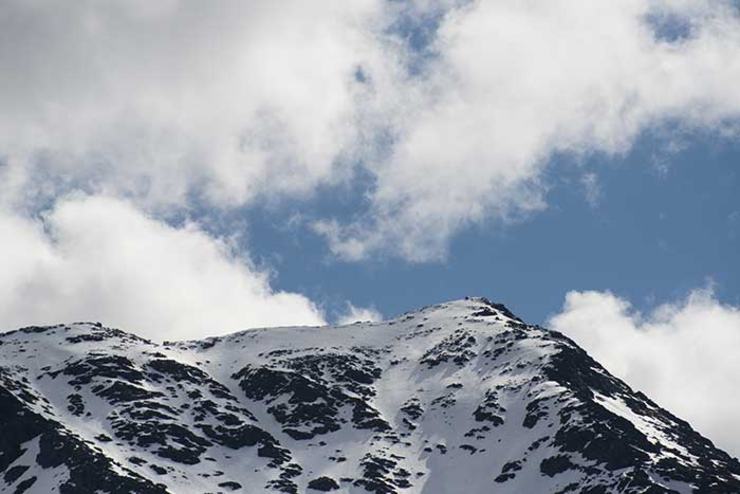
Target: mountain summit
[[457, 397]]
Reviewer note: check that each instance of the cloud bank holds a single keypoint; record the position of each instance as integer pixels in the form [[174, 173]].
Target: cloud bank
[[682, 354], [451, 108], [513, 83], [141, 112], [101, 259], [444, 113], [226, 102]]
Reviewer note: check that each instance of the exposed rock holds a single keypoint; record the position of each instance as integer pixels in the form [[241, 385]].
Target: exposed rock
[[427, 402]]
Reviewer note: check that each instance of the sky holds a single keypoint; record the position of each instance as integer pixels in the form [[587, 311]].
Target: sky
[[180, 169]]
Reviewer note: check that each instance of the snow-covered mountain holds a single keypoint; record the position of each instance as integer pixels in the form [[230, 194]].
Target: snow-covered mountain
[[461, 397]]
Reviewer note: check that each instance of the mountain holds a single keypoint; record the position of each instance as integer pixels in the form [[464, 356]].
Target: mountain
[[461, 397]]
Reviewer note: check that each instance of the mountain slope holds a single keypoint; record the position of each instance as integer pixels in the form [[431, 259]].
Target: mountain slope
[[457, 397]]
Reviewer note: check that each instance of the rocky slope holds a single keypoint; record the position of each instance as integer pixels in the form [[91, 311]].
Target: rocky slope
[[457, 397]]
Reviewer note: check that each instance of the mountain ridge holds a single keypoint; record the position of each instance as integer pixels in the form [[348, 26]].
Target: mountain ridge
[[462, 393]]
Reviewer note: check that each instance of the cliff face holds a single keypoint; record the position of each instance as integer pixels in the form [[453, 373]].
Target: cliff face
[[457, 397]]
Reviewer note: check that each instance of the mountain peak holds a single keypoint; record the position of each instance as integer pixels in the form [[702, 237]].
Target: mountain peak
[[470, 305], [456, 394]]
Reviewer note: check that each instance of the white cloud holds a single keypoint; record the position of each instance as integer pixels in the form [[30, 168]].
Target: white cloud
[[516, 82], [591, 188], [228, 101], [232, 103], [96, 258], [683, 355], [359, 314]]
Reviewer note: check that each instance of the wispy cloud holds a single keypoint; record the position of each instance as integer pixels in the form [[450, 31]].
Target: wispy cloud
[[359, 314], [591, 188]]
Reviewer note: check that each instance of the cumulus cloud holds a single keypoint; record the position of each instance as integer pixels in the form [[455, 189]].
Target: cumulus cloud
[[359, 314], [513, 83], [682, 354], [226, 102], [97, 258], [451, 108]]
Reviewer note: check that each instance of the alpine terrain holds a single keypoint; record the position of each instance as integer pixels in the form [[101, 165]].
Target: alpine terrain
[[461, 397]]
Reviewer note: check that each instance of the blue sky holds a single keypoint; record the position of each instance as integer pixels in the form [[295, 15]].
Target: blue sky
[[384, 154], [381, 154], [665, 222]]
